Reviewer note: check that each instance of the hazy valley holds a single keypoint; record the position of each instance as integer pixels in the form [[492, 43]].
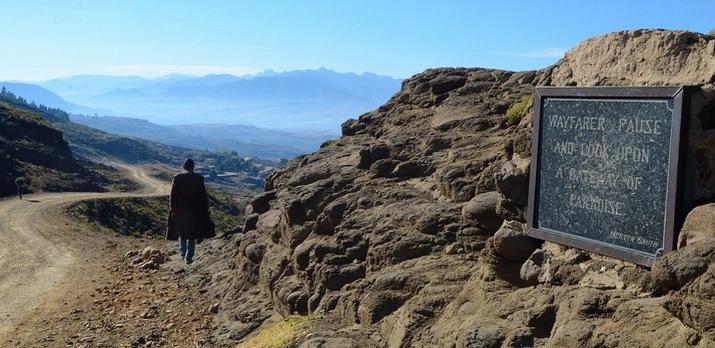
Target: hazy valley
[[268, 115]]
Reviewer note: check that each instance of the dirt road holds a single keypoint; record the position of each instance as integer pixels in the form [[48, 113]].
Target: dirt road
[[37, 257]]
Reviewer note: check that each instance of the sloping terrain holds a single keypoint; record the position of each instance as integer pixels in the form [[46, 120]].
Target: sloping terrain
[[31, 262], [231, 168], [42, 96], [408, 231], [68, 284], [87, 144], [30, 147]]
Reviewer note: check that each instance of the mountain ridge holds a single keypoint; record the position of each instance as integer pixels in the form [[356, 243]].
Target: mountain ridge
[[31, 147], [301, 99], [43, 96]]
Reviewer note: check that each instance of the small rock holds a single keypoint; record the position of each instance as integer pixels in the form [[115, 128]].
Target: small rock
[[149, 265], [512, 243], [372, 153], [409, 169], [481, 211], [531, 268]]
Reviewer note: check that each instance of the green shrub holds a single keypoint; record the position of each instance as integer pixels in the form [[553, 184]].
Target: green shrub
[[22, 181], [519, 109]]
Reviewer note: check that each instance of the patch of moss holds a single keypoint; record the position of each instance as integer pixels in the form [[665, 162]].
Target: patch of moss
[[329, 144], [281, 334], [515, 112]]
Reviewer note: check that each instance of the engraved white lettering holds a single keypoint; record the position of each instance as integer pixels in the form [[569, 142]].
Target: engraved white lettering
[[580, 123], [597, 204], [636, 125]]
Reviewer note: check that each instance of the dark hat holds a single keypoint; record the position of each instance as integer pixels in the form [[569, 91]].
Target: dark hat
[[189, 164]]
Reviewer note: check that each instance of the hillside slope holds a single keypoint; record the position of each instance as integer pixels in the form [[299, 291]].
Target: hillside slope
[[245, 173], [39, 95], [31, 147], [408, 231], [57, 154]]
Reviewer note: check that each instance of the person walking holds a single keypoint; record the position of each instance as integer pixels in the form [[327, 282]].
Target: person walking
[[189, 219]]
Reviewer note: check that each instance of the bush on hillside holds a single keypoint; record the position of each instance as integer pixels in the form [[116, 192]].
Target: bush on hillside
[[519, 109]]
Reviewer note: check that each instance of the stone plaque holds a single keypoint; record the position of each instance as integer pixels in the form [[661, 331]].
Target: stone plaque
[[605, 169]]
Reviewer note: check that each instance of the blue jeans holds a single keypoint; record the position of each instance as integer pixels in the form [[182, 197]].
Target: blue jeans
[[186, 247]]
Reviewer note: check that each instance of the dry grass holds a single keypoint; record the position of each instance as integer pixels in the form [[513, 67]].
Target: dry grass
[[281, 334]]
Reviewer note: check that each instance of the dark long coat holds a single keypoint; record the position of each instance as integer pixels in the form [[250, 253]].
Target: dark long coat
[[189, 211]]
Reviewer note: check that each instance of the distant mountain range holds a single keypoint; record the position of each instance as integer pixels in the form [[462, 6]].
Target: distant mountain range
[[302, 100], [268, 115], [246, 140]]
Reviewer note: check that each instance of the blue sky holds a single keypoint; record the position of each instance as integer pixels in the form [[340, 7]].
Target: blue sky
[[46, 39]]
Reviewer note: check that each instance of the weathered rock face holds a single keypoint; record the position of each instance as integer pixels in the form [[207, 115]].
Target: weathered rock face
[[411, 224], [639, 57]]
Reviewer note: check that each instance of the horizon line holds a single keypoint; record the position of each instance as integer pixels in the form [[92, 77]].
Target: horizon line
[[215, 70]]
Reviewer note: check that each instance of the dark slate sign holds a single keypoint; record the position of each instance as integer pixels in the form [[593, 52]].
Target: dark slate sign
[[605, 169]]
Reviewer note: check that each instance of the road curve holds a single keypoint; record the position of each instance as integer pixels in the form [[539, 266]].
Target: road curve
[[31, 264]]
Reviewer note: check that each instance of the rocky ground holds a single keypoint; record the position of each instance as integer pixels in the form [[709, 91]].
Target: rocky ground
[[409, 230], [136, 302]]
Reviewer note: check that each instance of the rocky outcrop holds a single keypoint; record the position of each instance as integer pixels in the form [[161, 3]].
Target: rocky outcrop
[[411, 225], [639, 57]]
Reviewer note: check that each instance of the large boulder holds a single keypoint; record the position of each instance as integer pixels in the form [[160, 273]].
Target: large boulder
[[481, 211], [512, 243], [512, 180], [699, 226]]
